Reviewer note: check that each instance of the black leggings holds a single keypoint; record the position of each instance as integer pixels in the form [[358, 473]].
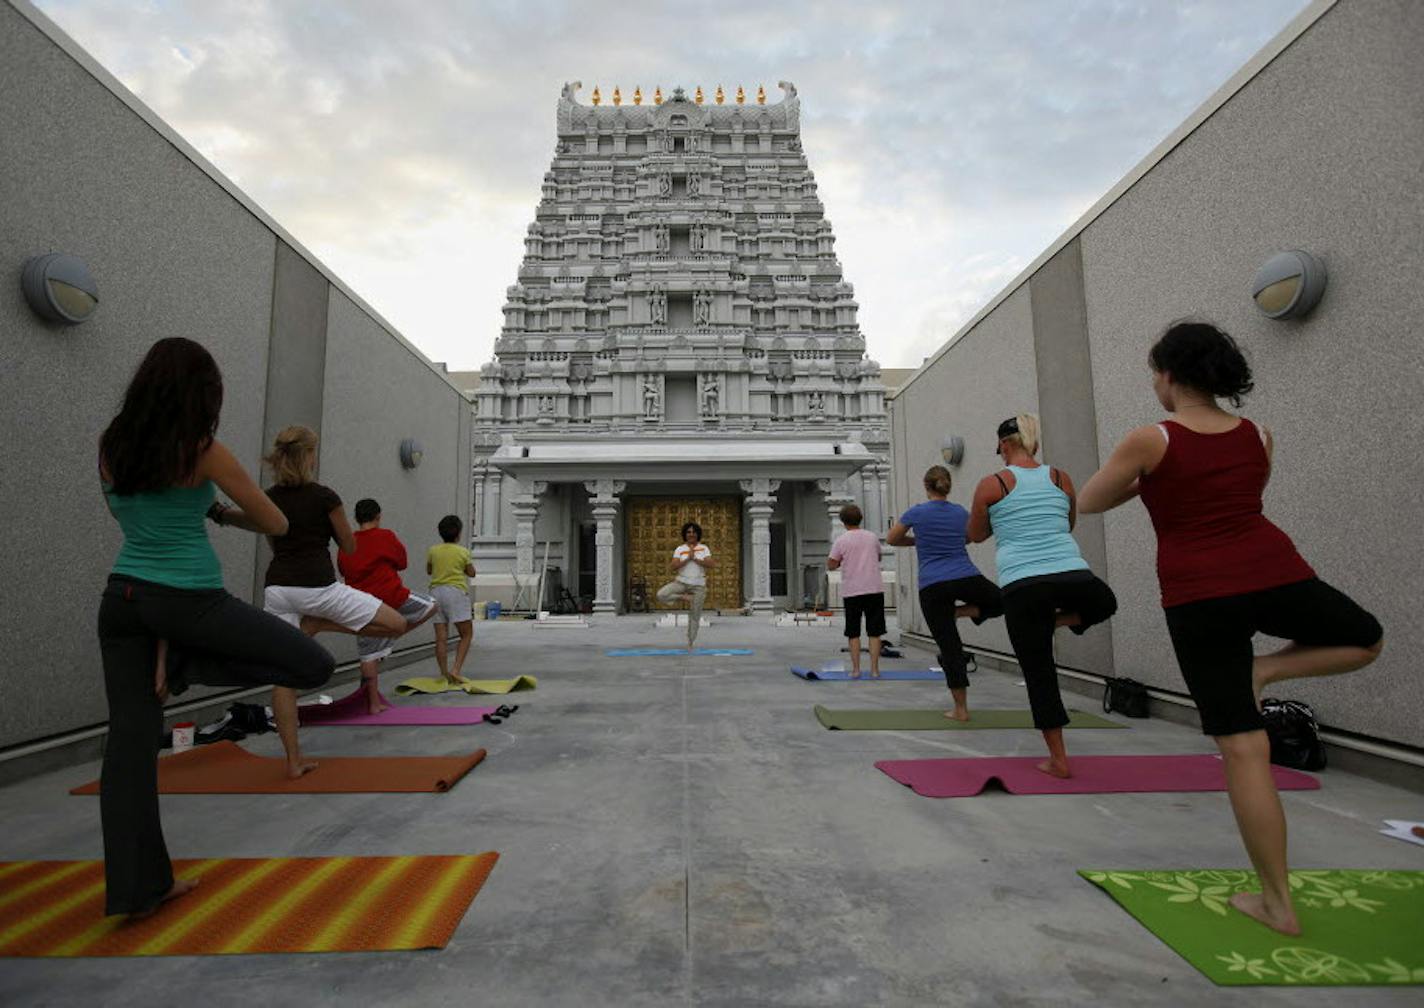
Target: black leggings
[[1031, 607], [938, 602], [214, 639]]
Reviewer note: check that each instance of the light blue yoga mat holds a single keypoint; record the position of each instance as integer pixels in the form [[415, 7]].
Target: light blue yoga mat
[[840, 675], [653, 652]]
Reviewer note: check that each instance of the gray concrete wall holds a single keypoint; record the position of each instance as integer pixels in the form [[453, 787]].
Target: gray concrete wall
[[1319, 150], [957, 396], [173, 255], [176, 251]]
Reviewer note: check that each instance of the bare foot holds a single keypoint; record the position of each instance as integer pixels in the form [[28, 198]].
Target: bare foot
[[300, 769], [180, 887], [376, 708], [855, 673], [958, 714], [875, 673], [1253, 905], [1054, 768], [1417, 830], [456, 679]]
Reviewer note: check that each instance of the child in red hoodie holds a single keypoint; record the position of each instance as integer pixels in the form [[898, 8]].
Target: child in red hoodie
[[375, 569]]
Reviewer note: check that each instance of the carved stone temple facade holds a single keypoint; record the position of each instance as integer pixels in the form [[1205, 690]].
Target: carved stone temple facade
[[681, 345]]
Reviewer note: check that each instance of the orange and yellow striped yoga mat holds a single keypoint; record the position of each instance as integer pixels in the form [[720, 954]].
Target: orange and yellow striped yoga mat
[[329, 904]]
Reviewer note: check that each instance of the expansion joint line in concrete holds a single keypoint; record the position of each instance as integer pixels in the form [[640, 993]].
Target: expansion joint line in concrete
[[687, 972]]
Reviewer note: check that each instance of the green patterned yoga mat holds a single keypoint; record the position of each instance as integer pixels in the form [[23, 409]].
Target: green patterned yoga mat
[[1358, 927], [934, 720], [437, 684]]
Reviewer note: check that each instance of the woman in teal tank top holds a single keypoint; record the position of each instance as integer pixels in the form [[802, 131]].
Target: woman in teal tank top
[[1030, 509], [165, 619]]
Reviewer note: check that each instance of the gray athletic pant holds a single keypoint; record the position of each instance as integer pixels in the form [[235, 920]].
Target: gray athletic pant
[[213, 639], [674, 590]]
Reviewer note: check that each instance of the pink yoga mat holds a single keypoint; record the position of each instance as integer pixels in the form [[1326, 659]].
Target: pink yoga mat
[[351, 710], [962, 778]]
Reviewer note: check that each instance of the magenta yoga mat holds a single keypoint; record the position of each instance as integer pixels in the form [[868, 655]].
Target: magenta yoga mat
[[963, 778], [351, 710]]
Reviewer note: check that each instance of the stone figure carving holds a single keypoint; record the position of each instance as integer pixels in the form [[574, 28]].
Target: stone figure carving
[[546, 406], [711, 393], [697, 238], [664, 185], [570, 87], [694, 185], [816, 403], [702, 308], [652, 398], [657, 305], [662, 235]]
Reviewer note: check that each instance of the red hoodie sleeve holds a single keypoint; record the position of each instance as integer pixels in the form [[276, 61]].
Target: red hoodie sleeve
[[395, 549]]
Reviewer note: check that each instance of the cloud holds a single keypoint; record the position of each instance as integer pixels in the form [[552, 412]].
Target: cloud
[[405, 143]]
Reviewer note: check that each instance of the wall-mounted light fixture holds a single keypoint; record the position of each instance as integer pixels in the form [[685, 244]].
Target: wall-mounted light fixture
[[951, 449], [411, 453], [1288, 284], [59, 288]]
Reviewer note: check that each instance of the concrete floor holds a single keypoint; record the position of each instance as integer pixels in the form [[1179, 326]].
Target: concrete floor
[[682, 831]]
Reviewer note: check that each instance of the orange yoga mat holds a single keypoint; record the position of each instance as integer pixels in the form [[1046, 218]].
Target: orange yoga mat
[[227, 768], [243, 905]]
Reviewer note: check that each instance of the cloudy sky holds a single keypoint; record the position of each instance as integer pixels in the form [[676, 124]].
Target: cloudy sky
[[404, 142]]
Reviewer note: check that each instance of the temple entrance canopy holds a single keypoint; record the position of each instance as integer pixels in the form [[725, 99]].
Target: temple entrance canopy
[[680, 328]]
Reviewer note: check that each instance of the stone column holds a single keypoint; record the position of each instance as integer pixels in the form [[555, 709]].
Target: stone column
[[760, 503], [604, 500], [493, 514], [477, 503], [836, 498], [526, 512]]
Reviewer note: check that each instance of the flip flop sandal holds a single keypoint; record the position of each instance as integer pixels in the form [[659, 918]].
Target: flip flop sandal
[[504, 710], [492, 719]]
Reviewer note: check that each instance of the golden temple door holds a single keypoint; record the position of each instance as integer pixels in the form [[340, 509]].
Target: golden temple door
[[653, 530]]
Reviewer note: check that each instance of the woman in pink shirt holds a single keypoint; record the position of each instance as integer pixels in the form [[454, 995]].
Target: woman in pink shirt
[[856, 554]]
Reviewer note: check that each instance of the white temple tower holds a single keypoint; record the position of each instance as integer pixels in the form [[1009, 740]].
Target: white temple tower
[[681, 345]]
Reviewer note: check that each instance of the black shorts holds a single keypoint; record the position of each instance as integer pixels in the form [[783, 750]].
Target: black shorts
[[1212, 639], [872, 607]]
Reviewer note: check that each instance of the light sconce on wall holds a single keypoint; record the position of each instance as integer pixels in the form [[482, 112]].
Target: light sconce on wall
[[951, 449], [411, 453], [1289, 284], [59, 288]]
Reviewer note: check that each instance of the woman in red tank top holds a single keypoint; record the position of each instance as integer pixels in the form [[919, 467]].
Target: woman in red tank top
[[1227, 573]]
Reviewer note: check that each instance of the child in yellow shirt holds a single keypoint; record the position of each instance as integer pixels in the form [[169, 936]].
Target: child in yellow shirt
[[448, 564]]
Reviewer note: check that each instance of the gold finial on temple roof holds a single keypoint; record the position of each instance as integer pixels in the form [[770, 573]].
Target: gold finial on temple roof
[[638, 95], [761, 94], [741, 95], [617, 95], [720, 96], [597, 98], [698, 96], [658, 95]]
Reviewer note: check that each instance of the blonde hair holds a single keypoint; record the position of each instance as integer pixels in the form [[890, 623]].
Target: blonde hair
[[1027, 437], [293, 456], [937, 480]]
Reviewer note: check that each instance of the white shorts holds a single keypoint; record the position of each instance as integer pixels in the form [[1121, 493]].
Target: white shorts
[[453, 603], [414, 608], [339, 603]]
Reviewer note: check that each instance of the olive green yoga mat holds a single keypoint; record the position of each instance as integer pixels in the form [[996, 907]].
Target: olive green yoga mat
[[437, 684], [934, 720], [1358, 927]]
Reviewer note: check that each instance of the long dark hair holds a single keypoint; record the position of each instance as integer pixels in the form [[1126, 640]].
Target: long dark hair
[[1200, 356], [168, 419]]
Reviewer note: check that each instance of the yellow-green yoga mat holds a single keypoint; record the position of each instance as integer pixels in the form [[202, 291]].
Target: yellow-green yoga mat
[[933, 719], [436, 684], [1358, 927]]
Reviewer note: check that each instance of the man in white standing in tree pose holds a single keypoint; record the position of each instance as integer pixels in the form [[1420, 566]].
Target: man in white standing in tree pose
[[690, 562]]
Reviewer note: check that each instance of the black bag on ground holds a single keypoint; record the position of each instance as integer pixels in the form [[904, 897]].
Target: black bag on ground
[[1294, 734], [1126, 696]]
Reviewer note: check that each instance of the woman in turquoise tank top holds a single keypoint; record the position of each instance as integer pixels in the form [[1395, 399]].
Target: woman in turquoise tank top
[[1030, 509], [165, 619]]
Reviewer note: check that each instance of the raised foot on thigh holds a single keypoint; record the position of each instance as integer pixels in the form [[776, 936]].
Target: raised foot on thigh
[[300, 768], [1253, 905], [1054, 768], [180, 887]]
